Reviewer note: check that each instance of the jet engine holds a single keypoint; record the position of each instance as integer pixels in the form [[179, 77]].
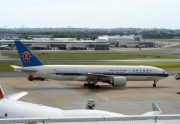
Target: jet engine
[[118, 81]]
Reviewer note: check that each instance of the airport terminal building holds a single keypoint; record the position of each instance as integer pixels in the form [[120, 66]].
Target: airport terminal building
[[60, 44], [127, 41], [101, 43]]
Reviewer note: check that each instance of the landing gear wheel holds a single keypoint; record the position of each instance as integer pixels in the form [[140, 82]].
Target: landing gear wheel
[[97, 86], [42, 79], [154, 85], [85, 84], [91, 86]]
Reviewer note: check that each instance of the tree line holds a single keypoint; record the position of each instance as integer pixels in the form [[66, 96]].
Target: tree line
[[93, 35], [77, 36]]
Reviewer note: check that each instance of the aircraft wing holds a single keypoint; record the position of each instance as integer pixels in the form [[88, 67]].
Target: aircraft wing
[[17, 96], [98, 76], [156, 110], [20, 69], [159, 119], [51, 119]]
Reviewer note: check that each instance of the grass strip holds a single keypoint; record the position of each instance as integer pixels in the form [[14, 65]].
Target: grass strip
[[96, 56]]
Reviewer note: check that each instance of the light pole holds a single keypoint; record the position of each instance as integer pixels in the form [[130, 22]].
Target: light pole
[[71, 31], [22, 31], [5, 36]]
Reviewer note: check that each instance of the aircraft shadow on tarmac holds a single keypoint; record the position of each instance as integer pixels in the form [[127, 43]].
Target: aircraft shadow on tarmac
[[109, 87], [80, 87]]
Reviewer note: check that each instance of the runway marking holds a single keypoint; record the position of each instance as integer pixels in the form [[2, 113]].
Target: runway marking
[[67, 90], [86, 99]]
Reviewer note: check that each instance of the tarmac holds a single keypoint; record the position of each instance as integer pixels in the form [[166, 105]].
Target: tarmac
[[135, 98]]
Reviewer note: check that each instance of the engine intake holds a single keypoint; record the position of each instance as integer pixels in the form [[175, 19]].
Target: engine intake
[[118, 81]]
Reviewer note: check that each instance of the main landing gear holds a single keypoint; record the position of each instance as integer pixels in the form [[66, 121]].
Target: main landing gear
[[154, 85], [91, 85]]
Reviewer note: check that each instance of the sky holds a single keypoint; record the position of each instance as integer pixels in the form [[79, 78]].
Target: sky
[[90, 13]]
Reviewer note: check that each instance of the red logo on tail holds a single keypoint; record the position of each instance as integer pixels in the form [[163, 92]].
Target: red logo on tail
[[26, 56]]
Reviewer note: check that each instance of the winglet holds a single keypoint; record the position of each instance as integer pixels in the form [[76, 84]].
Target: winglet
[[155, 107], [1, 93], [27, 57], [156, 110]]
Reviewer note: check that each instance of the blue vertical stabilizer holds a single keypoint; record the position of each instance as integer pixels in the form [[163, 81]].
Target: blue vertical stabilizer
[[27, 58]]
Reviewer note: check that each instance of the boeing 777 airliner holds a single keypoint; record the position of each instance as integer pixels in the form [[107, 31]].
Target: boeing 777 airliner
[[92, 74]]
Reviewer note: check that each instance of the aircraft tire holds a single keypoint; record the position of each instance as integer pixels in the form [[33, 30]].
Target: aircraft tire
[[90, 86], [98, 87], [85, 84], [154, 85]]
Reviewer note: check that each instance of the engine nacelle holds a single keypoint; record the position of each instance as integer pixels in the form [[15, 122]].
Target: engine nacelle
[[118, 81]]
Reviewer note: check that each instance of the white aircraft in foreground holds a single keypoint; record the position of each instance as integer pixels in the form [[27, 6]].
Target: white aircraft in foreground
[[10, 108], [114, 75]]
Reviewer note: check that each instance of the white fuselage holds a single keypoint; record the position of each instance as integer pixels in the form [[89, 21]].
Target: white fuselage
[[10, 108], [78, 72], [2, 47]]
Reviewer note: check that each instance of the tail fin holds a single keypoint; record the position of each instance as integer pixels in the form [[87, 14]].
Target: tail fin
[[1, 93], [27, 58]]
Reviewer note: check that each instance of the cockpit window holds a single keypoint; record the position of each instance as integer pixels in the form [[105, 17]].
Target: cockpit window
[[163, 71]]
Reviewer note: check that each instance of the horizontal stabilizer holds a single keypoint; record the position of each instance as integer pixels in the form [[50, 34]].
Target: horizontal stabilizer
[[156, 110], [17, 96], [20, 69], [14, 96]]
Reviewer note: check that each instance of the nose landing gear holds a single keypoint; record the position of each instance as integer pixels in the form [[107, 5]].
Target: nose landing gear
[[154, 85]]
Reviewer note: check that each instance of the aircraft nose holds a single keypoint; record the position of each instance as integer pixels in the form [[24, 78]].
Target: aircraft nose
[[166, 74]]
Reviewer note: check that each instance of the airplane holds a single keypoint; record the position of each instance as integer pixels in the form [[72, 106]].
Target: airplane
[[4, 47], [11, 107], [92, 74]]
